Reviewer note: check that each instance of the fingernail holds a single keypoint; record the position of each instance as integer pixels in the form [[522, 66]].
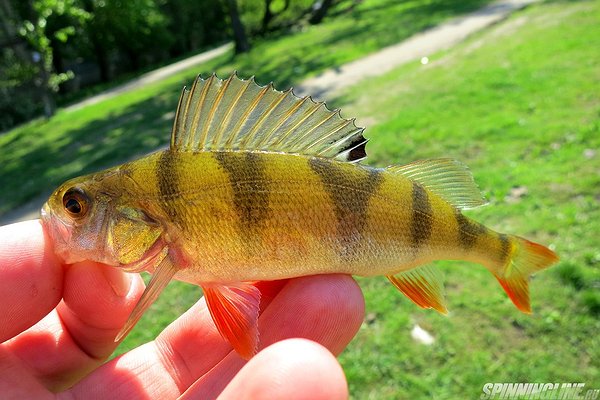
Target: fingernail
[[119, 281]]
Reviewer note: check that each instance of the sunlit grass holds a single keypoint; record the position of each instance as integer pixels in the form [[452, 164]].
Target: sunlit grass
[[520, 105]]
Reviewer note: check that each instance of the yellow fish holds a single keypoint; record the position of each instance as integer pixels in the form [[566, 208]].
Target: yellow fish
[[258, 185]]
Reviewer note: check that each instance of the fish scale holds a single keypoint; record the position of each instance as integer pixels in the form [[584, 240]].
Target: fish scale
[[262, 185]]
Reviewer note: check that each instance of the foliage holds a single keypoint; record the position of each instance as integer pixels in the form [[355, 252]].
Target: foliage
[[28, 75], [15, 76], [284, 14], [195, 24], [38, 34], [132, 31]]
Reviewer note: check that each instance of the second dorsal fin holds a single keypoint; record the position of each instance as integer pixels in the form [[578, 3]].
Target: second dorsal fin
[[239, 115], [446, 177]]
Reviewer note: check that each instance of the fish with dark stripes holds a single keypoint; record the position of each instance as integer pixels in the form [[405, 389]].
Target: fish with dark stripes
[[259, 184]]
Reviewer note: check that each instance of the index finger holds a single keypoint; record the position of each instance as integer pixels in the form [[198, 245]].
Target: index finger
[[77, 333], [31, 275]]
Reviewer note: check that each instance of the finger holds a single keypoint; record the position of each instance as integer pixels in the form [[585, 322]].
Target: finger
[[293, 369], [16, 382], [327, 308], [79, 335], [31, 277]]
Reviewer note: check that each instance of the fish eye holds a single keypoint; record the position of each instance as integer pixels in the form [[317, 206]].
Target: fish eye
[[76, 202]]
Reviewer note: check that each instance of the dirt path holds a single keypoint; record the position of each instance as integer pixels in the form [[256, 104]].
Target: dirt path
[[153, 76], [418, 46], [329, 82]]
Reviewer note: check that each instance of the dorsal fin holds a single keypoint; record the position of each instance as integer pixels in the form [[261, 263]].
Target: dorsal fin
[[447, 177], [239, 115]]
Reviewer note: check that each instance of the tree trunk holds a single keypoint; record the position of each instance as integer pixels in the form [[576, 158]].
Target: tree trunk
[[102, 59], [239, 33], [100, 51], [7, 19], [320, 11], [267, 16], [134, 58]]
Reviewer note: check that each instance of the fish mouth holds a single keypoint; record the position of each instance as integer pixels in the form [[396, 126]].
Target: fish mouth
[[59, 232], [44, 211]]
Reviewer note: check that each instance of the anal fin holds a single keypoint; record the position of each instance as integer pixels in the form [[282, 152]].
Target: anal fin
[[234, 309], [423, 286]]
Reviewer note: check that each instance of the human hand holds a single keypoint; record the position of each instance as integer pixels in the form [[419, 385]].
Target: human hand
[[58, 323]]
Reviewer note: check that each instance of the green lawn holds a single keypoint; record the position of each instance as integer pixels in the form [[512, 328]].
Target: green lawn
[[520, 104]]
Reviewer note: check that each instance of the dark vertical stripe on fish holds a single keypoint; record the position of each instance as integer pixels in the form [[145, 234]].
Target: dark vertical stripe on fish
[[168, 186], [504, 248], [350, 193], [468, 231], [422, 222], [246, 172]]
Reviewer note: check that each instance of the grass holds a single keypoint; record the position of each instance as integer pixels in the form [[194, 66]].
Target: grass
[[38, 156], [520, 105]]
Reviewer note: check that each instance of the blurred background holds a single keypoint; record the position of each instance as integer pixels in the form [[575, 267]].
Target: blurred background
[[87, 84]]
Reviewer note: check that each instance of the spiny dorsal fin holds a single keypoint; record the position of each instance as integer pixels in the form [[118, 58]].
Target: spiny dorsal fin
[[239, 115], [446, 177]]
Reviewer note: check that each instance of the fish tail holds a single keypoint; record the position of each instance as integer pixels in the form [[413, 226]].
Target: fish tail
[[524, 258]]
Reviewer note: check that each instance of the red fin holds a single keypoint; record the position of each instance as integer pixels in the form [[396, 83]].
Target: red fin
[[528, 258], [423, 286], [234, 309]]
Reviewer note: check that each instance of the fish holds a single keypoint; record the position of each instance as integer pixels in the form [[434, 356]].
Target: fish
[[259, 184]]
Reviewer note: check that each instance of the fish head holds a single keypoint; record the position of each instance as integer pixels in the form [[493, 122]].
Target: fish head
[[96, 218]]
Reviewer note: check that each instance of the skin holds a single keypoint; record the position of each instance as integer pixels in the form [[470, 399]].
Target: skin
[[57, 325]]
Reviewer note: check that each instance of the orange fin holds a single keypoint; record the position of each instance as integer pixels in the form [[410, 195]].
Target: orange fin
[[161, 277], [527, 258], [234, 309], [423, 286]]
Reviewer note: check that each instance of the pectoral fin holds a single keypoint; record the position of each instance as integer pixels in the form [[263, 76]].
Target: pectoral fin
[[161, 277], [234, 308], [423, 286]]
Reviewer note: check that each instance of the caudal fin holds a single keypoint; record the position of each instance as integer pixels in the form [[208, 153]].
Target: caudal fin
[[526, 259]]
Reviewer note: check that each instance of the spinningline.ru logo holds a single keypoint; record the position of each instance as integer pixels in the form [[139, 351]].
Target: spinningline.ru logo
[[541, 391]]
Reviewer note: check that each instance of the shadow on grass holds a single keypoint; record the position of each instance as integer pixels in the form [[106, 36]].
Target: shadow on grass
[[135, 130]]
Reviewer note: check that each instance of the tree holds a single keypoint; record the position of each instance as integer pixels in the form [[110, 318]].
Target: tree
[[269, 14], [239, 33], [32, 24], [17, 72], [320, 8], [135, 30], [195, 24]]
